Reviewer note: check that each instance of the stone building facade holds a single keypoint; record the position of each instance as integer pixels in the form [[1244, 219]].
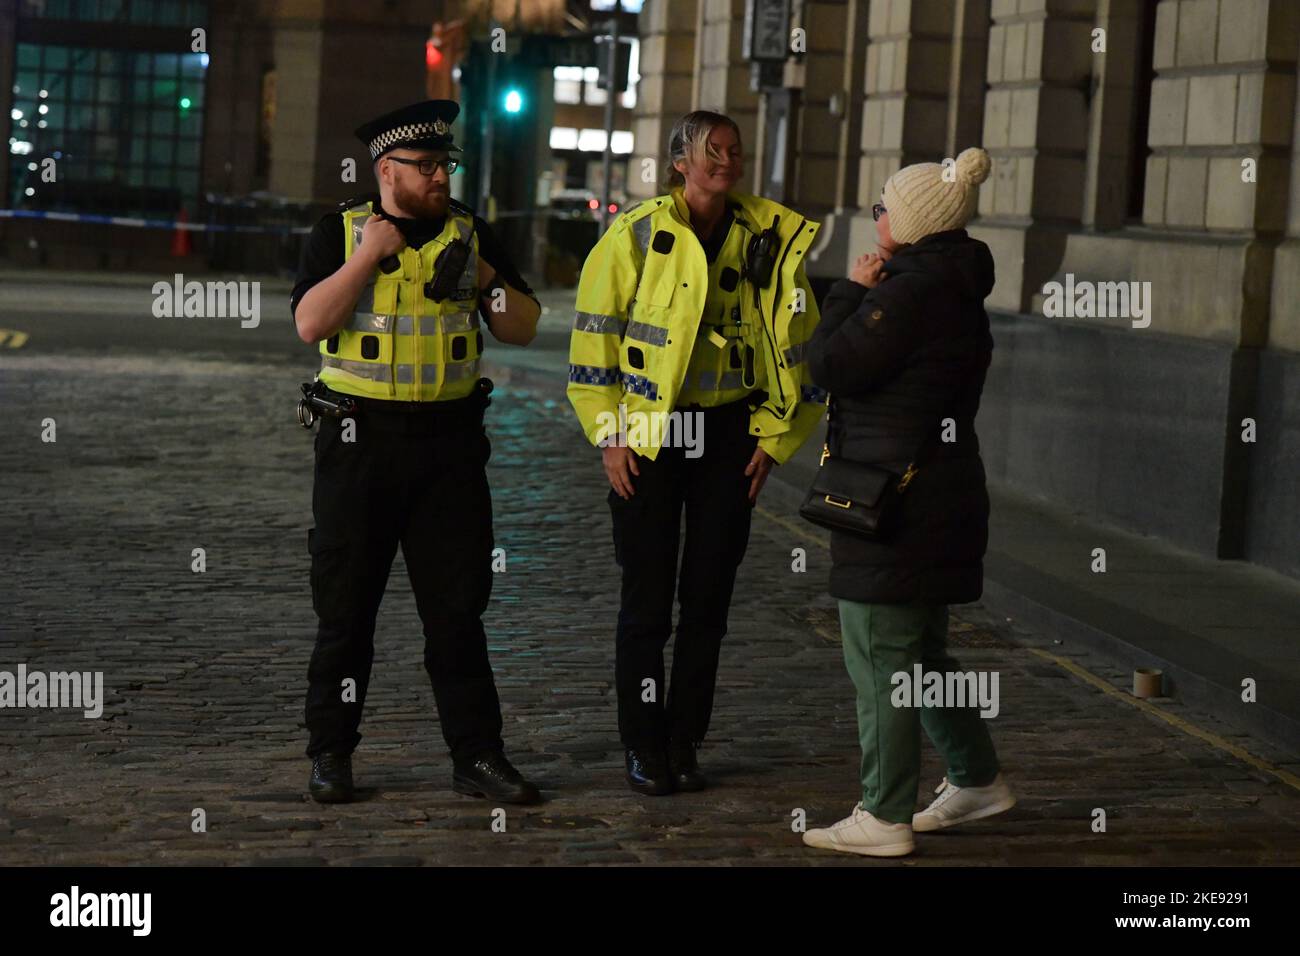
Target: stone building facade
[[1133, 141]]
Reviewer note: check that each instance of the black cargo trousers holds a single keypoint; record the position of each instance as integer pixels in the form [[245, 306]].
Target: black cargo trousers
[[712, 493], [418, 479]]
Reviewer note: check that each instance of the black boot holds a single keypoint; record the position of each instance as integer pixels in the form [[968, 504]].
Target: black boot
[[331, 778], [682, 765], [647, 772], [491, 775]]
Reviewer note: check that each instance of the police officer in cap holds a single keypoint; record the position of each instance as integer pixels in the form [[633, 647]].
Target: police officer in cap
[[393, 287]]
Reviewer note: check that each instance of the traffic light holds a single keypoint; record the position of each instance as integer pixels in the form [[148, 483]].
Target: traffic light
[[442, 52]]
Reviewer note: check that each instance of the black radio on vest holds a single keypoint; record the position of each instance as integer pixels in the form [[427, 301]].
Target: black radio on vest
[[760, 259], [448, 270]]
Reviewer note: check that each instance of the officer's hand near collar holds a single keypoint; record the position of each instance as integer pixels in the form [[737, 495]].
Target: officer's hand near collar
[[380, 238], [759, 466]]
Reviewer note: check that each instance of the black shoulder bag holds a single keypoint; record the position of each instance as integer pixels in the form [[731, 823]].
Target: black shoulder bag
[[856, 498]]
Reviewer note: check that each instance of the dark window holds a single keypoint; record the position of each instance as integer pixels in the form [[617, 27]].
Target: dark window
[[123, 125], [1145, 73]]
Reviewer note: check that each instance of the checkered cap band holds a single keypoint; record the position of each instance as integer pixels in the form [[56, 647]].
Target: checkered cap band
[[401, 134]]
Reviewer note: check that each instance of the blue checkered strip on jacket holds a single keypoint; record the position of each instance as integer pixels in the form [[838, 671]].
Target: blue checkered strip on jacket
[[593, 375], [811, 393], [640, 385]]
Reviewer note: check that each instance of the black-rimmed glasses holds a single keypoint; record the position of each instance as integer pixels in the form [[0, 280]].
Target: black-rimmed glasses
[[428, 167]]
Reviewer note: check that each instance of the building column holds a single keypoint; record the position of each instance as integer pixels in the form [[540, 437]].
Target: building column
[[1036, 133], [721, 74], [667, 32], [904, 115]]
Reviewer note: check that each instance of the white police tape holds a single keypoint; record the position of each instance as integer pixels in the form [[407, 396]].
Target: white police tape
[[137, 223]]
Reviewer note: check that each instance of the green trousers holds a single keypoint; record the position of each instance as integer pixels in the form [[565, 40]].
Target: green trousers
[[881, 640]]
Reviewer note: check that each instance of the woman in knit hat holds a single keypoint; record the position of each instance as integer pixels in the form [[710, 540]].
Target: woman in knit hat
[[903, 347]]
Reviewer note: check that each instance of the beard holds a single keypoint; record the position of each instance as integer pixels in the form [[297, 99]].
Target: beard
[[422, 203]]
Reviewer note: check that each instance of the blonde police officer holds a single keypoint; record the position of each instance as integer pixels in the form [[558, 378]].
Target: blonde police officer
[[693, 303], [392, 288]]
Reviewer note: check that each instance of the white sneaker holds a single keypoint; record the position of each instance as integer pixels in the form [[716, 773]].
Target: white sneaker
[[956, 805], [864, 834]]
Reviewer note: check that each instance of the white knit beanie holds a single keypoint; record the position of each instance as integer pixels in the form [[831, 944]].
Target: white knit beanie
[[920, 201]]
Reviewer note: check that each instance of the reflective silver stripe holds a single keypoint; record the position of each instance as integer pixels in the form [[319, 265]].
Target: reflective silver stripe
[[366, 300], [642, 229], [358, 224], [458, 322], [406, 325], [456, 371], [794, 354], [710, 383], [599, 324], [374, 371], [370, 322], [644, 332]]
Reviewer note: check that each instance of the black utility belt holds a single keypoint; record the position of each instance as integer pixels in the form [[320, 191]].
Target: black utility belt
[[382, 406], [320, 401]]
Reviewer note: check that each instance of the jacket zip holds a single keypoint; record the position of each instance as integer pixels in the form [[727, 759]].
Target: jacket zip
[[776, 298]]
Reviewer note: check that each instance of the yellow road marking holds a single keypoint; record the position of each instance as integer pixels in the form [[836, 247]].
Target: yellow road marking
[[12, 338], [1214, 740]]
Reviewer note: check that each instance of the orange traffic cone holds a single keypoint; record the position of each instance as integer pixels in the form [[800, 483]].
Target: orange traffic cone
[[181, 236]]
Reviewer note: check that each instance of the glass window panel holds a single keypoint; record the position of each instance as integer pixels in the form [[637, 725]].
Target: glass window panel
[[160, 151], [56, 57], [83, 87], [163, 121], [137, 149], [86, 9], [188, 182], [58, 9], [110, 61], [29, 55], [170, 12], [110, 89], [142, 11], [192, 65], [111, 9], [166, 64], [135, 176], [26, 81], [187, 152]]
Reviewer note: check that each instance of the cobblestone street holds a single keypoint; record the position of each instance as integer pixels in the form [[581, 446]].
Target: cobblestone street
[[204, 674]]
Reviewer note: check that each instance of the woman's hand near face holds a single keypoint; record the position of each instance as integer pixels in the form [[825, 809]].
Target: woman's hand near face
[[866, 270]]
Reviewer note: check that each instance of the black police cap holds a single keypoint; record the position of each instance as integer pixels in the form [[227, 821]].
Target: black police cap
[[424, 125]]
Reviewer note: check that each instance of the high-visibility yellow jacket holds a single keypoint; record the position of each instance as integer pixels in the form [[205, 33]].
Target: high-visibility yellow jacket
[[400, 344], [639, 308]]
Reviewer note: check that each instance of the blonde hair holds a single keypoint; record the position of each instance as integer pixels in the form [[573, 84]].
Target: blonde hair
[[689, 141]]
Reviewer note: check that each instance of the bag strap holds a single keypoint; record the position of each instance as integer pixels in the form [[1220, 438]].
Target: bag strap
[[916, 456]]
